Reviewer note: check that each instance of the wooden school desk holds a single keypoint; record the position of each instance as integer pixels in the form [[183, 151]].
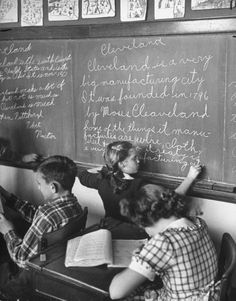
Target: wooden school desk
[[51, 278]]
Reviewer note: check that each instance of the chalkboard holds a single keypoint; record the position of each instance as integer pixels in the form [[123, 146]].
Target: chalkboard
[[165, 94], [36, 96], [172, 96]]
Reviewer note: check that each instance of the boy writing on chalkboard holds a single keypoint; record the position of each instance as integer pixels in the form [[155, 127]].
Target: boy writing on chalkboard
[[55, 177]]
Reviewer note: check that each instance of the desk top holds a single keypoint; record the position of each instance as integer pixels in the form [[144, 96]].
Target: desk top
[[93, 279]]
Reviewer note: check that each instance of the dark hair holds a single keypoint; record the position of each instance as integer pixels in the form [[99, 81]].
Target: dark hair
[[115, 153], [152, 202], [60, 169]]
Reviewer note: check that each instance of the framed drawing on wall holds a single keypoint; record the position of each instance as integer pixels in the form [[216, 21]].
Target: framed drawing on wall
[[31, 12], [63, 10], [133, 10], [8, 11], [98, 8], [169, 9], [208, 4]]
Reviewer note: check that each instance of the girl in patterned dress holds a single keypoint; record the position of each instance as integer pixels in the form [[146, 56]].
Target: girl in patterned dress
[[180, 250]]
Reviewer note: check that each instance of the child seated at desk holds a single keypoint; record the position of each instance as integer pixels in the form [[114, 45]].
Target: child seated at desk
[[180, 250], [55, 177]]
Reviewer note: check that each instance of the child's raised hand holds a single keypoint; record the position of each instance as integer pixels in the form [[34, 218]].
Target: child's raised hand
[[194, 171], [30, 158]]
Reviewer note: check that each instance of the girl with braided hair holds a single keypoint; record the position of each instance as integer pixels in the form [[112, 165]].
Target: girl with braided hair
[[119, 177], [180, 250]]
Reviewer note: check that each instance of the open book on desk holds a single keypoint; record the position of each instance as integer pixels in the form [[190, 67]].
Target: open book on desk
[[98, 247]]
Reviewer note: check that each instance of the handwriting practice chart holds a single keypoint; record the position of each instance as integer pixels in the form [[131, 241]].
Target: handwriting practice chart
[[230, 114], [36, 97], [174, 97], [163, 94]]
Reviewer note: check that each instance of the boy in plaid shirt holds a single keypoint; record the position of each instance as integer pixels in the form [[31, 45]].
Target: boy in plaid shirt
[[55, 177]]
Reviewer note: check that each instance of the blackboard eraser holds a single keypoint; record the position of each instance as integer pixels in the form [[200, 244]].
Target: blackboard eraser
[[224, 187]]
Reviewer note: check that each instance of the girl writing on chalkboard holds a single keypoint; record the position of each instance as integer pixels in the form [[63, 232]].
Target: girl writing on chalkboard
[[180, 250], [119, 178]]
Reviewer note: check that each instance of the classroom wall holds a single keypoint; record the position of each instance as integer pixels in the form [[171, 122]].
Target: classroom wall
[[220, 216]]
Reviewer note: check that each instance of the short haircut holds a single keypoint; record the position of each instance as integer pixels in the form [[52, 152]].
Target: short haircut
[[60, 169], [152, 202]]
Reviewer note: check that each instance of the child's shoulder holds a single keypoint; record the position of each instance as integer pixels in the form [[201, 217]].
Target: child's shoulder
[[160, 239], [197, 225]]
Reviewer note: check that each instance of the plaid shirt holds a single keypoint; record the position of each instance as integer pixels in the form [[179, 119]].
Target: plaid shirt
[[184, 258], [46, 218]]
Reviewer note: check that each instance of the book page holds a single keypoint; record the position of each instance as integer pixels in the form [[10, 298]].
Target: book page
[[71, 248], [123, 250], [91, 249], [94, 248]]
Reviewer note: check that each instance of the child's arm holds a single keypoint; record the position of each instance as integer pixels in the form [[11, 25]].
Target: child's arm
[[95, 170], [194, 171], [26, 209], [2, 204], [30, 158], [5, 193], [124, 283]]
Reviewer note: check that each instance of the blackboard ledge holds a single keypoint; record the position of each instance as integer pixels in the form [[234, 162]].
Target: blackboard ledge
[[199, 184], [202, 188], [172, 182], [218, 191]]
